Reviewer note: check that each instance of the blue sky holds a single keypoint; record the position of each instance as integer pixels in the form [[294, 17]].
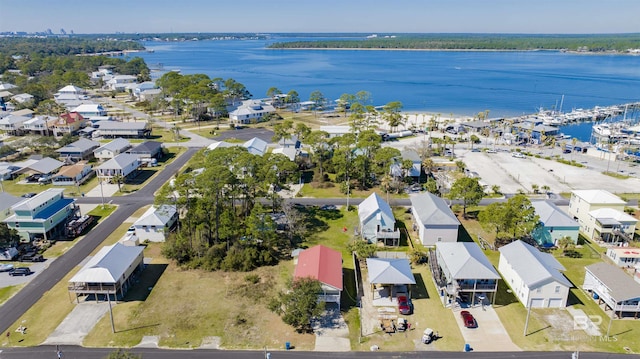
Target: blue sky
[[367, 16]]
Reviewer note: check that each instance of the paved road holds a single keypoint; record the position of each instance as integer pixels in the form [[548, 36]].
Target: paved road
[[99, 353], [16, 306]]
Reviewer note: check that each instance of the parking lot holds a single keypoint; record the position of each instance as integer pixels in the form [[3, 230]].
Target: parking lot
[[6, 280]]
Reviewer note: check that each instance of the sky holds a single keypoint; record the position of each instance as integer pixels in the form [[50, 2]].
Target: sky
[[363, 16]]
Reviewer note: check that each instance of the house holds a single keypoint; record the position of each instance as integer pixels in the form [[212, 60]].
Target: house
[[251, 111], [475, 126], [70, 90], [416, 162], [325, 265], [156, 223], [147, 150], [335, 131], [124, 164], [42, 216], [112, 271], [533, 276], [613, 287], [46, 166], [460, 270], [120, 82], [289, 141], [290, 152], [149, 94], [433, 219], [6, 86], [22, 98], [624, 256], [13, 124], [82, 149], [256, 146], [554, 224], [377, 221], [72, 175], [67, 123], [88, 110], [111, 149], [38, 125], [388, 277], [113, 129], [584, 201], [610, 225], [219, 144]]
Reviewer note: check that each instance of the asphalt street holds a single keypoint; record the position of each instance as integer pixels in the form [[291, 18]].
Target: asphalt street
[[17, 305]]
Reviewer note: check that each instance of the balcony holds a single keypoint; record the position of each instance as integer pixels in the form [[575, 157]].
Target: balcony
[[93, 288], [388, 234], [487, 287]]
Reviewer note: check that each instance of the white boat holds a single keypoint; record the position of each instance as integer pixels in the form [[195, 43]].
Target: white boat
[[602, 130]]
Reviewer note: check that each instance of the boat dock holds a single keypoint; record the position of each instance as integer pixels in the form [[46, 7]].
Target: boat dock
[[557, 118]]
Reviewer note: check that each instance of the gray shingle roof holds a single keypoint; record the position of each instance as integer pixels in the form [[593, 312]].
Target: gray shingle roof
[[119, 162], [622, 287], [116, 145], [432, 209], [533, 266]]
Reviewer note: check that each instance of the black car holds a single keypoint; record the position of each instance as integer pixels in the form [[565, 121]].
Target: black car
[[23, 271], [31, 257]]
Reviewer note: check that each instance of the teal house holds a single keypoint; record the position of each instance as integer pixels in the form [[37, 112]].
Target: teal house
[[554, 224], [42, 216]]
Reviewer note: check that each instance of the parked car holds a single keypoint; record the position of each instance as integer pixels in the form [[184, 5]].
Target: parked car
[[468, 319], [404, 306], [517, 155], [31, 257], [23, 271], [566, 151], [492, 151]]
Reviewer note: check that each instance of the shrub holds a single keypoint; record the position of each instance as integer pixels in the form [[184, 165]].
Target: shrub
[[572, 253]]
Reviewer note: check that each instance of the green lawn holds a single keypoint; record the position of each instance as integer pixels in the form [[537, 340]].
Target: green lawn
[[8, 292]]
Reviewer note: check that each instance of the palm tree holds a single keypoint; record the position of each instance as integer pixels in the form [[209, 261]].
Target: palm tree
[[573, 149], [176, 132], [428, 165], [535, 188], [119, 179], [385, 183], [496, 189]]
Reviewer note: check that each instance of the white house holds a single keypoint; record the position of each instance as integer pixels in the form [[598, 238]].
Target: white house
[[155, 223], [533, 276], [90, 110], [12, 124], [377, 221], [256, 146], [612, 286], [22, 98], [433, 219], [124, 164], [554, 224], [584, 201], [610, 225], [461, 269], [38, 125], [251, 111], [111, 149], [120, 82], [624, 256], [111, 271]]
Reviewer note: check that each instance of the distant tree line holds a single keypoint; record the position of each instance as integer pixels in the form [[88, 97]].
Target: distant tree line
[[590, 43]]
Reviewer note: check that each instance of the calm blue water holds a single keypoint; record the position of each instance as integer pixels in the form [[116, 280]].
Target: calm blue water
[[462, 83]]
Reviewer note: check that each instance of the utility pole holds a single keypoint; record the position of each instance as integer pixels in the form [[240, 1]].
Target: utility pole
[[101, 193], [113, 326], [526, 323]]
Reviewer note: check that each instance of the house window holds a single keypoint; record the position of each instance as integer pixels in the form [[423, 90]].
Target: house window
[[557, 289]]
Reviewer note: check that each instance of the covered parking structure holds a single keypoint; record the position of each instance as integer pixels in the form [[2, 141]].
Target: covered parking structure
[[387, 275]]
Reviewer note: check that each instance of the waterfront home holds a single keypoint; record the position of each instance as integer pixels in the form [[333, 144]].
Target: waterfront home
[[461, 271], [156, 223], [42, 216], [251, 111], [112, 271], [113, 129], [72, 175], [533, 276], [81, 149], [611, 286], [377, 222], [554, 224], [325, 265], [624, 256], [111, 149], [124, 164], [68, 123], [433, 219]]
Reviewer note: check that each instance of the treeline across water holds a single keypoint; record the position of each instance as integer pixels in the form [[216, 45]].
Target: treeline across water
[[513, 42]]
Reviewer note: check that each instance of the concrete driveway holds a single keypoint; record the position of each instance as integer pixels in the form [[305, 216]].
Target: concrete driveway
[[490, 335], [78, 323], [332, 333]]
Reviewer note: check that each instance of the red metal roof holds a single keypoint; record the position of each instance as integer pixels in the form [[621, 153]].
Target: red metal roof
[[321, 263]]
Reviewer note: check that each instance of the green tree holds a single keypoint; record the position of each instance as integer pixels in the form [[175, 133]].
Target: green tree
[[512, 219], [318, 141], [565, 243], [318, 100], [392, 114], [495, 189], [345, 102], [468, 190], [8, 237], [300, 304], [119, 179]]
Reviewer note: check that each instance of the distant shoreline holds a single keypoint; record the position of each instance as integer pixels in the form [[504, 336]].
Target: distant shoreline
[[594, 53]]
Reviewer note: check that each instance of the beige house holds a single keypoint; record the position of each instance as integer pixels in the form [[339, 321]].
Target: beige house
[[584, 201], [67, 123]]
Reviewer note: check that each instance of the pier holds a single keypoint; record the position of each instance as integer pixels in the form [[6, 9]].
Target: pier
[[598, 113]]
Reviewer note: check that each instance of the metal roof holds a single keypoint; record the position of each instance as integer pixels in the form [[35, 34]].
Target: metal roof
[[321, 263], [465, 260], [598, 196], [552, 216], [532, 266], [119, 162], [433, 210], [371, 205], [390, 271], [156, 216], [108, 265]]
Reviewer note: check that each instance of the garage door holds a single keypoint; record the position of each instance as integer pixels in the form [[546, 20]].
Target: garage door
[[555, 302], [537, 302]]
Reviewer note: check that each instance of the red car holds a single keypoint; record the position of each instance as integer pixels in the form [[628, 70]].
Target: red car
[[404, 307], [468, 319]]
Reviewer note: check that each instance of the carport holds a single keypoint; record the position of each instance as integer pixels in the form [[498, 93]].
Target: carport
[[385, 274]]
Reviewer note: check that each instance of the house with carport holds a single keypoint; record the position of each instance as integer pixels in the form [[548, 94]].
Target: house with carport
[[387, 277], [554, 224], [612, 287], [111, 272], [377, 222], [156, 223], [111, 149], [147, 150], [42, 216], [46, 166], [534, 277], [81, 149], [461, 271], [433, 219], [325, 265], [73, 175], [124, 164]]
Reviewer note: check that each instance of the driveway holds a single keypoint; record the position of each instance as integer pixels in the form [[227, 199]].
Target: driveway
[[332, 333], [6, 280], [78, 323], [246, 134], [490, 335]]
